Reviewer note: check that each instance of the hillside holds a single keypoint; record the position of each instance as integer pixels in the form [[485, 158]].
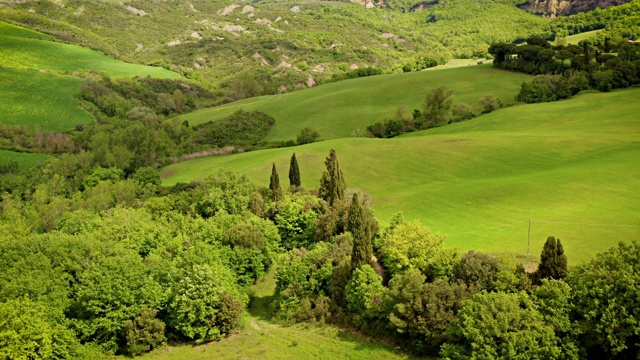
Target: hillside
[[337, 109], [41, 78], [275, 46], [480, 181], [553, 8]]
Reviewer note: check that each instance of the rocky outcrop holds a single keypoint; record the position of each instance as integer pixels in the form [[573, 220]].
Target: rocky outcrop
[[553, 8]]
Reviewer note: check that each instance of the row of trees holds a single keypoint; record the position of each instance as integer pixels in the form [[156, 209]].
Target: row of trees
[[437, 110], [569, 69]]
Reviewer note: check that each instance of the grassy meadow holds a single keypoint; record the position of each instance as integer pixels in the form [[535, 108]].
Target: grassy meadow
[[24, 160], [337, 109], [575, 39], [27, 49], [37, 86], [480, 181], [30, 97]]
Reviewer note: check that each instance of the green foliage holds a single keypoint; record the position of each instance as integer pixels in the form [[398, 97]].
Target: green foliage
[[421, 313], [225, 191], [198, 307], [499, 325], [145, 332], [476, 270], [412, 246], [437, 107], [295, 218], [365, 295], [553, 261], [307, 136], [332, 184], [27, 333], [242, 129], [605, 300], [294, 172], [358, 225], [274, 184]]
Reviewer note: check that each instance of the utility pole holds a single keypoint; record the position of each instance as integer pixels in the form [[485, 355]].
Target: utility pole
[[529, 237]]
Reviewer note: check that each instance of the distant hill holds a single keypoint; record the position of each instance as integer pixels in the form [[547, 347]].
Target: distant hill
[[276, 46], [553, 8]]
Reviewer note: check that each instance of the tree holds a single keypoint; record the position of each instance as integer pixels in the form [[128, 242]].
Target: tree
[[294, 172], [145, 332], [437, 107], [413, 246], [307, 135], [357, 225], [553, 261], [332, 184], [274, 184], [606, 302], [502, 326]]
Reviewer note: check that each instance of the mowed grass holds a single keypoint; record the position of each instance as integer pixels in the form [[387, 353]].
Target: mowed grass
[[27, 49], [575, 162], [575, 39], [337, 109], [24, 160], [30, 97]]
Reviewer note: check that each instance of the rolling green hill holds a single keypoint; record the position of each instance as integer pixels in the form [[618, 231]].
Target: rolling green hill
[[337, 109], [24, 160], [480, 181], [280, 43], [38, 83]]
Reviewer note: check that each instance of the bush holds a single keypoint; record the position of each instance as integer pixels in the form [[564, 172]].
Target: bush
[[307, 135], [145, 332]]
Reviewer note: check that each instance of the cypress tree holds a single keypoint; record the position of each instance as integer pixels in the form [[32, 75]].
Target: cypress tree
[[553, 261], [358, 225], [274, 184], [294, 172], [332, 183]]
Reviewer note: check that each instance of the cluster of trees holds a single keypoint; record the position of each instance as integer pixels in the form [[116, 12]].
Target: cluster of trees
[[569, 69], [620, 22], [100, 262], [437, 110]]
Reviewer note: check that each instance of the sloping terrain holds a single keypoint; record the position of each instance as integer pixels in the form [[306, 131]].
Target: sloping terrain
[[337, 109], [573, 162]]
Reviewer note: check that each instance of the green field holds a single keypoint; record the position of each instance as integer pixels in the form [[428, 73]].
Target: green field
[[30, 97], [479, 181], [336, 109], [575, 39], [24, 160], [36, 86], [27, 49]]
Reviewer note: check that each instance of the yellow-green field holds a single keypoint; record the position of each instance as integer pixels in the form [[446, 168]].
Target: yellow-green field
[[574, 162]]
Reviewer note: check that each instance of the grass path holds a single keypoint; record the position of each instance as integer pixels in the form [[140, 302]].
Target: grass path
[[263, 339]]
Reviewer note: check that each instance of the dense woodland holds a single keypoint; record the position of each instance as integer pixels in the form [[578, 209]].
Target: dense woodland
[[97, 258]]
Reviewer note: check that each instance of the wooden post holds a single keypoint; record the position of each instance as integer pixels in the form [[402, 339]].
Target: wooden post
[[529, 237]]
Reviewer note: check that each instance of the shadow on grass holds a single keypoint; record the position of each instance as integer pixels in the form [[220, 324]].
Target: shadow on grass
[[260, 307]]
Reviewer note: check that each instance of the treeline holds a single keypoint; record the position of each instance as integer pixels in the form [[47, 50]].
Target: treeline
[[621, 21], [437, 110], [569, 69]]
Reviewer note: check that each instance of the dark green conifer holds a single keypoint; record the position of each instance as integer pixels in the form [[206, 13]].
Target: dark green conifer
[[294, 172], [553, 261], [358, 225], [274, 184], [332, 184]]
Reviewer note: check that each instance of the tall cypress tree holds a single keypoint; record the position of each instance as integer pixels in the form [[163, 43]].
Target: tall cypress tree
[[332, 183], [274, 184], [294, 172], [553, 261], [357, 224]]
